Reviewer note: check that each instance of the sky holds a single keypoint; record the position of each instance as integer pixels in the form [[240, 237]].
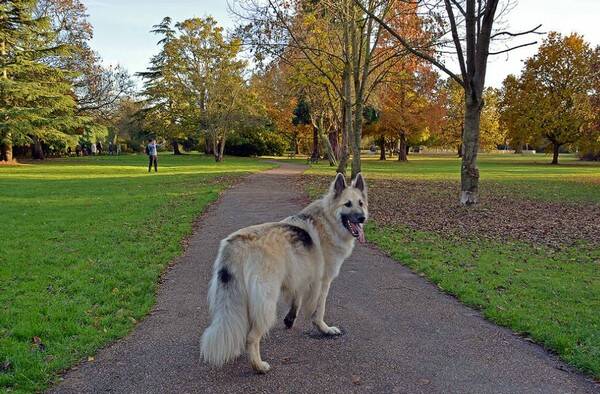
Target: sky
[[121, 27]]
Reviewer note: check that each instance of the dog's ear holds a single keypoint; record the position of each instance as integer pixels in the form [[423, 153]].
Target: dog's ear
[[338, 185], [359, 183]]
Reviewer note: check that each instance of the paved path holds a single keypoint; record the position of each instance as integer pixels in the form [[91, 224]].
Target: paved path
[[400, 333]]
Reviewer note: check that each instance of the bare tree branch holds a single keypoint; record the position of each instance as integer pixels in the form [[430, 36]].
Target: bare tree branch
[[512, 48], [410, 47], [455, 37], [530, 31]]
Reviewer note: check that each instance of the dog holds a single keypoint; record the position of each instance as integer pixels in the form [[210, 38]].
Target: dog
[[296, 259]]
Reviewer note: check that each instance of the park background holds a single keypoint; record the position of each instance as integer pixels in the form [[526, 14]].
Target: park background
[[88, 232]]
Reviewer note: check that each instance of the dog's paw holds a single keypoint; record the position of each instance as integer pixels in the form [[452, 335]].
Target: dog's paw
[[332, 331], [262, 367], [327, 330]]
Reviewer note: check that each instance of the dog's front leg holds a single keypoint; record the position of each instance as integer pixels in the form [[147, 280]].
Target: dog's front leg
[[320, 312]]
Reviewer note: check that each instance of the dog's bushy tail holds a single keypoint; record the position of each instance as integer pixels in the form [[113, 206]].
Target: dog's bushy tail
[[225, 338]]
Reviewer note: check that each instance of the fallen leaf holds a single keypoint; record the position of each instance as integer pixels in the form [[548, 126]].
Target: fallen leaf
[[5, 366], [38, 344]]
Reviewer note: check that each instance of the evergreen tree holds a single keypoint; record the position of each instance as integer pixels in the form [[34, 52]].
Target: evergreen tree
[[36, 100], [160, 91]]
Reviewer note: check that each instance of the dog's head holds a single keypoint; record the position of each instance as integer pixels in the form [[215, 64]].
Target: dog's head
[[349, 204]]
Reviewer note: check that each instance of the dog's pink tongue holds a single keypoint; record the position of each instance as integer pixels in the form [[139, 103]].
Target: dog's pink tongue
[[361, 234]]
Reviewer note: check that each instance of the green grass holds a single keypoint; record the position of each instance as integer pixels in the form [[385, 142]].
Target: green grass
[[523, 174], [552, 297], [82, 244]]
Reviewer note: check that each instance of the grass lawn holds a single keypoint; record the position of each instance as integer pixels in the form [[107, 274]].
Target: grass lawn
[[546, 291], [82, 244]]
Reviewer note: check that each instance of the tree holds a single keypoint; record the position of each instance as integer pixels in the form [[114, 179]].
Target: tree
[[471, 24], [162, 96], [339, 41], [98, 88], [279, 97], [589, 144], [514, 106], [491, 131], [36, 101], [406, 100], [454, 102], [195, 84], [559, 82], [126, 126], [230, 105]]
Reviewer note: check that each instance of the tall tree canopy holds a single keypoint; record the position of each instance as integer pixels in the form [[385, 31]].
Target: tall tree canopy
[[53, 86], [195, 84], [553, 99], [36, 100]]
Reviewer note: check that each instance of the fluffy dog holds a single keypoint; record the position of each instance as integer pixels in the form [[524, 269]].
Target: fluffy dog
[[296, 258]]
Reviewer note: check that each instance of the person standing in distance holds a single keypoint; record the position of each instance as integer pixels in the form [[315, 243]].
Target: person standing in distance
[[151, 151]]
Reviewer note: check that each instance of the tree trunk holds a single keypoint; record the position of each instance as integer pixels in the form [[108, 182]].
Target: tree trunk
[[555, 148], [519, 148], [469, 173], [344, 156], [215, 146], [315, 154], [459, 150], [295, 144], [328, 148], [218, 155], [347, 117], [37, 151], [222, 149], [6, 152], [356, 137], [175, 146], [208, 144], [333, 142], [402, 147], [219, 148], [382, 148], [343, 163]]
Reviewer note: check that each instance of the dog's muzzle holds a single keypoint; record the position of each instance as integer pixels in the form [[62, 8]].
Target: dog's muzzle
[[354, 224]]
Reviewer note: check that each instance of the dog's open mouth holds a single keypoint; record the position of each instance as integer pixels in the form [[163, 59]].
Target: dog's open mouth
[[355, 228]]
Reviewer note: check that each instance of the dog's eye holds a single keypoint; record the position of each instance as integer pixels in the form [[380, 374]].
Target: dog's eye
[[348, 204], [360, 203]]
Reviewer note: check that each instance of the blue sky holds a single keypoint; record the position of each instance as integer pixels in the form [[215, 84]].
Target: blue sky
[[121, 27]]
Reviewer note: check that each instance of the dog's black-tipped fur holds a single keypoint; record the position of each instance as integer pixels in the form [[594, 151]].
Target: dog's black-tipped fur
[[291, 316], [300, 235], [224, 275]]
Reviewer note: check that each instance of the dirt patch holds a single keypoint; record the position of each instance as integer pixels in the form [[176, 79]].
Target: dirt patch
[[433, 206]]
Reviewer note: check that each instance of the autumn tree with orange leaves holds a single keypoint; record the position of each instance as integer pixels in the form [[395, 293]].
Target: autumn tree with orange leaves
[[558, 86]]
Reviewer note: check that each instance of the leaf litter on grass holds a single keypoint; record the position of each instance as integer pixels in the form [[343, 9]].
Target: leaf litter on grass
[[500, 215]]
